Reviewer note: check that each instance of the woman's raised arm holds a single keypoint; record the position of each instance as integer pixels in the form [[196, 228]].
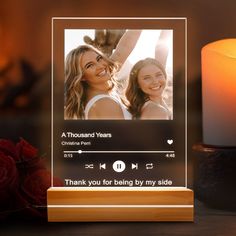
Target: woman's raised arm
[[162, 48], [125, 46]]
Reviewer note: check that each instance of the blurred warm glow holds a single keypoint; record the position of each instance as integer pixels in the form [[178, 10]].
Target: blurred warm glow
[[219, 92], [3, 61], [225, 47]]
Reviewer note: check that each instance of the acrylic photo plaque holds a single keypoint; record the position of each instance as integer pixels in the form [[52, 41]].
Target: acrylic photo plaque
[[119, 120]]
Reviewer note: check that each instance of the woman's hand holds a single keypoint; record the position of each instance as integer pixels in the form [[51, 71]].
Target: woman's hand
[[105, 40]]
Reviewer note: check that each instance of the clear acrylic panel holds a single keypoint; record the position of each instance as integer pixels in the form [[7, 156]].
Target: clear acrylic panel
[[108, 152]]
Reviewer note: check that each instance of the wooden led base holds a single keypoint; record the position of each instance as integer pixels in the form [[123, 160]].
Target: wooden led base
[[120, 204]]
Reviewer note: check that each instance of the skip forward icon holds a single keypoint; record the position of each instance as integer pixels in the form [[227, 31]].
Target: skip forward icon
[[134, 166]]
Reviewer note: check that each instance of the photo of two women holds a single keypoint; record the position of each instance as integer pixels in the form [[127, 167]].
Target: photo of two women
[[118, 74]]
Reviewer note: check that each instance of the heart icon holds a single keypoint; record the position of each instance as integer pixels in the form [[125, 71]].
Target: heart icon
[[170, 141]]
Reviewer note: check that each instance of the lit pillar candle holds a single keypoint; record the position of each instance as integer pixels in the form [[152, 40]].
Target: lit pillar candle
[[219, 93]]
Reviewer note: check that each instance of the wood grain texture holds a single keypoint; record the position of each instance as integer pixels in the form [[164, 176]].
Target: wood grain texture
[[114, 204]]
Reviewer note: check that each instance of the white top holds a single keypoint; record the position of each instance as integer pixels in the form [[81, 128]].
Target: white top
[[126, 114], [158, 105]]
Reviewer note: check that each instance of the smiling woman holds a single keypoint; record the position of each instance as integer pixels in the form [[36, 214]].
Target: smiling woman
[[95, 70], [91, 89], [146, 85], [147, 82]]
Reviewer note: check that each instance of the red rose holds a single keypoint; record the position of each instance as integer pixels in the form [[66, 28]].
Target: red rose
[[35, 186], [25, 150], [8, 184], [9, 148], [8, 173], [28, 157], [24, 180], [34, 192]]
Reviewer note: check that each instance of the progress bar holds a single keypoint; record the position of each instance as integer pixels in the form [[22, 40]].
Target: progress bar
[[81, 151]]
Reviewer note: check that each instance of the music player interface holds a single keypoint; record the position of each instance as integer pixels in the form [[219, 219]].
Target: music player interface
[[119, 103]]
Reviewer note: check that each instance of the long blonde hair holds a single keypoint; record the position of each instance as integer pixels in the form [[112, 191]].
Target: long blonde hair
[[134, 93], [75, 88]]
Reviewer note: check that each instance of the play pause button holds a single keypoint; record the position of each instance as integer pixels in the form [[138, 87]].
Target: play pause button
[[118, 166]]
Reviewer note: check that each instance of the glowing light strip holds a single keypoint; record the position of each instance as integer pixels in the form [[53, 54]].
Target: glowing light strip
[[186, 103], [119, 18], [120, 206], [52, 77]]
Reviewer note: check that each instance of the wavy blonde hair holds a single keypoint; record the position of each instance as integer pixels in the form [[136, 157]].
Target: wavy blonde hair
[[75, 87], [134, 93]]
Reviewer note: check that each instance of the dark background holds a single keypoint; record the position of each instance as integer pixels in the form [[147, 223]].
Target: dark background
[[25, 50]]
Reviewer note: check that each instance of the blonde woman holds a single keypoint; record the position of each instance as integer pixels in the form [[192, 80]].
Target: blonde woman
[[90, 83]]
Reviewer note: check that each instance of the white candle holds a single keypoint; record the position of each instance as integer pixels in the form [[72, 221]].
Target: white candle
[[219, 93]]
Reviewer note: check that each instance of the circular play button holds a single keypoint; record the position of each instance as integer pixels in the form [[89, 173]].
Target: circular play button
[[118, 166]]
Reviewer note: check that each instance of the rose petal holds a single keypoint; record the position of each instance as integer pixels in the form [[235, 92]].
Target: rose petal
[[9, 148], [25, 150], [8, 172]]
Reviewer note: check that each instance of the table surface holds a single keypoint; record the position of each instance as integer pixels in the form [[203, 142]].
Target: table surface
[[206, 222]]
